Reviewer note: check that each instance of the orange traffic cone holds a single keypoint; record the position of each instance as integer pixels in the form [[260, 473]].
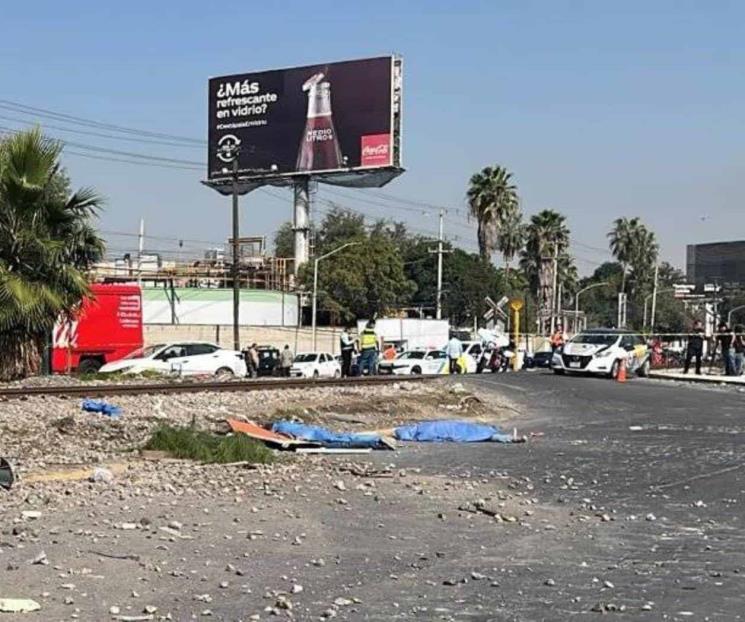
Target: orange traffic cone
[[621, 376]]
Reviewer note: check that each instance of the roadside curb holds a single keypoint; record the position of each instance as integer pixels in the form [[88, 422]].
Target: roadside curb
[[693, 378]]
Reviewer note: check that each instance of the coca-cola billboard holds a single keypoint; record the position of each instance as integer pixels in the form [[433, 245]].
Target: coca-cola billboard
[[338, 122]]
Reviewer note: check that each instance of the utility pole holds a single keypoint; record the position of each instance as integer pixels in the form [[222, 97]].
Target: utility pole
[[236, 253], [654, 297], [440, 252], [140, 249], [553, 288]]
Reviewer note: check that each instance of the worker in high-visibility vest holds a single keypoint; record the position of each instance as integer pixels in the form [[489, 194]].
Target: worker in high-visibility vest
[[558, 339], [369, 344]]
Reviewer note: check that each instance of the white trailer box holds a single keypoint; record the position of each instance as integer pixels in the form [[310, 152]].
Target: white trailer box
[[411, 333]]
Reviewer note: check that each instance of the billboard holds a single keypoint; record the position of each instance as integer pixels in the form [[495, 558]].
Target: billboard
[[336, 122]]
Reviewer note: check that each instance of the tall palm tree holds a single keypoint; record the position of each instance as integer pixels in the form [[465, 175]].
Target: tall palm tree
[[635, 247], [491, 197], [622, 239], [46, 245], [547, 239], [511, 237]]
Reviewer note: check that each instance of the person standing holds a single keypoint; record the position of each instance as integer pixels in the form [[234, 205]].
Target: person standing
[[390, 352], [286, 359], [454, 351], [738, 345], [369, 349], [724, 338], [558, 338], [695, 348], [346, 344], [252, 361]]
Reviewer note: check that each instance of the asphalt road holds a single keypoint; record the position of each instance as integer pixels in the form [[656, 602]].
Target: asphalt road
[[638, 508], [627, 502]]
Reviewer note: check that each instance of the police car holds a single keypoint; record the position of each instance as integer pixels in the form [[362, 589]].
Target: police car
[[600, 351], [416, 362]]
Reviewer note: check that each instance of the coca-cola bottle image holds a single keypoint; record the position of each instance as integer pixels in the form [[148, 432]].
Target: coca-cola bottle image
[[319, 146]]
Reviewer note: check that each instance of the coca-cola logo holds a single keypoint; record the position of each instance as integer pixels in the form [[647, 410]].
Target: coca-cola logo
[[375, 150]]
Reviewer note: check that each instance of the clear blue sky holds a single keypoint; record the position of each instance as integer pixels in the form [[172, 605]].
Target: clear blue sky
[[600, 109]]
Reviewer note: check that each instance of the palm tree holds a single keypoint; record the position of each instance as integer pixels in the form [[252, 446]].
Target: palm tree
[[622, 240], [46, 245], [511, 237], [547, 239], [491, 198]]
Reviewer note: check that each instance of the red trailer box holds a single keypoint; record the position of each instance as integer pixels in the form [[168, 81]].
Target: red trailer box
[[107, 328]]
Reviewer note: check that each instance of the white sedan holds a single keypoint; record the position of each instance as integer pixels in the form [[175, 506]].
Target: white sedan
[[186, 358], [415, 362], [315, 365]]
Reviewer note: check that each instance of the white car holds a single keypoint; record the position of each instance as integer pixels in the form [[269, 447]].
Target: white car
[[601, 351], [186, 358], [415, 362], [473, 350], [315, 365]]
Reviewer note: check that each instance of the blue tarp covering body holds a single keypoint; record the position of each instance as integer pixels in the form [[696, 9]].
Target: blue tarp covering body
[[326, 437], [453, 431], [99, 406]]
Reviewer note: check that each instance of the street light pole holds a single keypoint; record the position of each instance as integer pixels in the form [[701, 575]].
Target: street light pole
[[584, 289], [654, 297], [236, 252], [315, 283]]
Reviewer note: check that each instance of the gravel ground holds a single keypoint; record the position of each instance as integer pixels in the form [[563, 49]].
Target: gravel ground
[[628, 506]]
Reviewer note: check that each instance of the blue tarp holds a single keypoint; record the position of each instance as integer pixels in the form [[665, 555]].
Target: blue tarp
[[454, 431], [326, 437], [99, 406]]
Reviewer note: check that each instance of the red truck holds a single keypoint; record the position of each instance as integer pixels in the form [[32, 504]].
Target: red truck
[[107, 328]]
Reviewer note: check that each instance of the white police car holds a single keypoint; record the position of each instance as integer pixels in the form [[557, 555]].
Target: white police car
[[600, 351], [415, 362]]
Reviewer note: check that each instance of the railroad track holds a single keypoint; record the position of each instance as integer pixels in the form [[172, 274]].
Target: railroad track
[[105, 390]]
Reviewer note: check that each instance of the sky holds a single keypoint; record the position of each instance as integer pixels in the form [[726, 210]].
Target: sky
[[599, 109]]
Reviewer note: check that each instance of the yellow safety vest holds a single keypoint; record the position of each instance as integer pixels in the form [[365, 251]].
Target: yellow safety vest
[[368, 339]]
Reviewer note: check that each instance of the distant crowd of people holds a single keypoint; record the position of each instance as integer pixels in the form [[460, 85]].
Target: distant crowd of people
[[728, 343]]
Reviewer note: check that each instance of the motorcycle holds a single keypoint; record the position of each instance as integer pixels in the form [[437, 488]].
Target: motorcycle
[[495, 359], [495, 353]]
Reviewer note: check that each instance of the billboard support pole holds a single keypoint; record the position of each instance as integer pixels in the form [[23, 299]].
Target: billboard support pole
[[301, 221], [236, 252]]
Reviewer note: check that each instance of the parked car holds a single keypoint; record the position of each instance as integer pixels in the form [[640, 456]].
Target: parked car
[[268, 361], [542, 358], [187, 358], [315, 365], [415, 362], [472, 350], [600, 351]]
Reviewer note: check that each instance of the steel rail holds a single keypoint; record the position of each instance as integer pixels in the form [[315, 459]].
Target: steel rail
[[105, 390]]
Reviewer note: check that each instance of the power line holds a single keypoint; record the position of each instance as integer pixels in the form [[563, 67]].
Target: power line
[[102, 135], [68, 118]]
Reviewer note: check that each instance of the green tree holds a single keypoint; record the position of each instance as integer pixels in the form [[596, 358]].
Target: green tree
[[636, 249], [511, 236], [621, 240], [547, 239], [492, 198], [600, 304], [47, 243], [467, 281], [284, 240], [365, 280]]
